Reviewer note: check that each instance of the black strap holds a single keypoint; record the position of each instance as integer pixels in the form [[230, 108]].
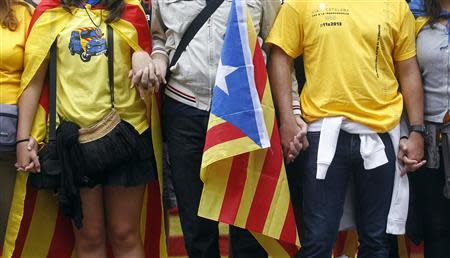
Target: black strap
[[52, 93], [191, 31], [111, 63]]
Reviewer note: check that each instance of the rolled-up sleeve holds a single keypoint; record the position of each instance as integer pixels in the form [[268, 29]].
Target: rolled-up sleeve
[[158, 30]]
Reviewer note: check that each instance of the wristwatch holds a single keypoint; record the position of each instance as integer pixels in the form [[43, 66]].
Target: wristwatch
[[417, 128]]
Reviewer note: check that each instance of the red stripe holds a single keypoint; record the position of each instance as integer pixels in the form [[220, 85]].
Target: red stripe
[[153, 221], [235, 189], [222, 133], [63, 238], [260, 71], [181, 93], [339, 245], [289, 232], [267, 184], [289, 248], [29, 203], [136, 16]]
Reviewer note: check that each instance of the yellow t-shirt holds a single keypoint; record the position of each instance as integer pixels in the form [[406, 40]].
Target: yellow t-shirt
[[12, 45], [349, 50], [83, 94]]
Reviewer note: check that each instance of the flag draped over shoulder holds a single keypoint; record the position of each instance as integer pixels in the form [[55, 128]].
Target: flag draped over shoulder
[[245, 181], [36, 227]]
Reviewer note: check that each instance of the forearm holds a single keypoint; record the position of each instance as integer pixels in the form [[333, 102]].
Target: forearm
[[412, 90], [281, 82], [28, 103]]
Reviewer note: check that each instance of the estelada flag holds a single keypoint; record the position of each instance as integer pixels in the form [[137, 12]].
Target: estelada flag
[[245, 182], [36, 227]]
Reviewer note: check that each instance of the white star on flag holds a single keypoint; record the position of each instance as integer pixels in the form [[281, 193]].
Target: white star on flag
[[222, 72]]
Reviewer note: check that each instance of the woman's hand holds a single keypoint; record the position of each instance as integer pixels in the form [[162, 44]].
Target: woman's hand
[[143, 73], [27, 158]]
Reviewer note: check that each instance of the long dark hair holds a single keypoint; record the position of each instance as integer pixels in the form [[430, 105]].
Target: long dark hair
[[433, 10], [8, 18], [115, 7]]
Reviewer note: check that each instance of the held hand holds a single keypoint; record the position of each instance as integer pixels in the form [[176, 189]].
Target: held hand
[[160, 69], [289, 136], [142, 74], [409, 164], [303, 131], [27, 158], [415, 146]]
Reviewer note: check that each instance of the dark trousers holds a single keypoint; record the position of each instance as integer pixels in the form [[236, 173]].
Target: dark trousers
[[7, 178], [323, 200], [429, 214], [185, 131]]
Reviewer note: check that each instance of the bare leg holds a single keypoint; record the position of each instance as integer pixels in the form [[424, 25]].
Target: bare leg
[[123, 209], [90, 239]]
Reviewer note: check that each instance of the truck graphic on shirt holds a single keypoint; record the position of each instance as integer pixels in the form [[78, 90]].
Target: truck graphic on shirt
[[87, 42]]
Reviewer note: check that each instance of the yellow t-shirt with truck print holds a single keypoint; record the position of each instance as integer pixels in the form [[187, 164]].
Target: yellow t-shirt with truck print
[[349, 49], [83, 94]]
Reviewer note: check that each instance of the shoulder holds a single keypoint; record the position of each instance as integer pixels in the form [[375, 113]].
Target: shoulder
[[420, 23]]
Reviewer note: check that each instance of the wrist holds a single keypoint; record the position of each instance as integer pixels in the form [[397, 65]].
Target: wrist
[[416, 135]]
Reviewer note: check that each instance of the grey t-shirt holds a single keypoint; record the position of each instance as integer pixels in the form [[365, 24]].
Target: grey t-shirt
[[433, 56]]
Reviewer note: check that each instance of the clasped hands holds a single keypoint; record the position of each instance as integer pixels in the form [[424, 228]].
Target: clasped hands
[[411, 152], [147, 74], [293, 137]]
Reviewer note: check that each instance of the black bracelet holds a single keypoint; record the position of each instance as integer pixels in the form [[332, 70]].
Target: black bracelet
[[23, 140]]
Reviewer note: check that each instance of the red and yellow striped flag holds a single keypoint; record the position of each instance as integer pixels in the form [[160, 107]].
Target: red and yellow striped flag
[[36, 227], [245, 182]]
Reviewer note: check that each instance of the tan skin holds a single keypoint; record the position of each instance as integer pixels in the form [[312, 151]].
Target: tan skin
[[293, 130], [107, 210]]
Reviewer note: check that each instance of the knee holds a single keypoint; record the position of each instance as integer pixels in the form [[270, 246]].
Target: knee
[[90, 238], [123, 235]]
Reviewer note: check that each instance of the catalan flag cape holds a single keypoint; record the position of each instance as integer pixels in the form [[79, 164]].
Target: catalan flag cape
[[36, 227], [244, 177]]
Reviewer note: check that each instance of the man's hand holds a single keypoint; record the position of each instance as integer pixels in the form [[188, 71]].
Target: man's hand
[[303, 131], [409, 148], [161, 62], [290, 135], [143, 73]]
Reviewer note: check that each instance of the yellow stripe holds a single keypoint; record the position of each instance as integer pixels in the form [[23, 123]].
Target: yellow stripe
[[144, 213], [402, 248], [15, 215], [152, 108], [42, 227], [214, 120], [128, 32], [255, 165], [273, 248], [251, 33], [227, 150], [39, 129], [214, 189], [278, 208]]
